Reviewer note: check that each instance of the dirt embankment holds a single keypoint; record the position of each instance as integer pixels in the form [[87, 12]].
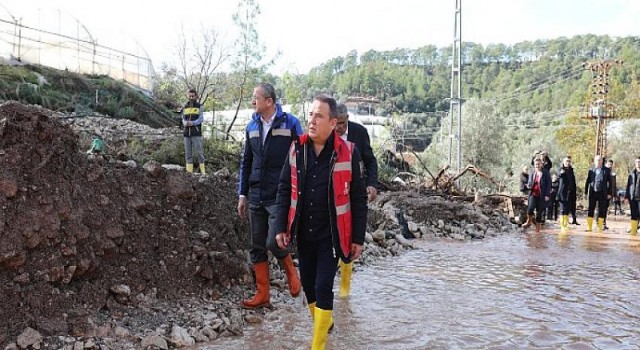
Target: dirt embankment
[[78, 236], [97, 254]]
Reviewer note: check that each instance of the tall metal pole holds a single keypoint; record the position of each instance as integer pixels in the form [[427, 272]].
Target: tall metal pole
[[598, 107], [455, 100]]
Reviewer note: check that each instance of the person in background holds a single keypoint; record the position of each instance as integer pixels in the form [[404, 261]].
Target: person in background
[[322, 205], [598, 188], [544, 156], [540, 185], [566, 189], [268, 137], [356, 133], [192, 132], [524, 180], [552, 205], [614, 187], [573, 197], [632, 194], [617, 203]]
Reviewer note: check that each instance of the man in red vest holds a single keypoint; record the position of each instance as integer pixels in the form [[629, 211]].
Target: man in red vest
[[322, 205]]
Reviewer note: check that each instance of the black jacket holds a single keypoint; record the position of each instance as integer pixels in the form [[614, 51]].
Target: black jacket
[[603, 183], [360, 137], [524, 179], [357, 194], [632, 192], [567, 184]]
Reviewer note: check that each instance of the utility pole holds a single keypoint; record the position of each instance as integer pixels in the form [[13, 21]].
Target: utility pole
[[455, 100], [598, 108]]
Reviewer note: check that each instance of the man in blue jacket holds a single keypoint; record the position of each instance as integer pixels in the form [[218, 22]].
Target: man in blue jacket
[[268, 137]]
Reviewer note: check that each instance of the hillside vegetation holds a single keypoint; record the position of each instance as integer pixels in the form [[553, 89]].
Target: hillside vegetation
[[80, 94]]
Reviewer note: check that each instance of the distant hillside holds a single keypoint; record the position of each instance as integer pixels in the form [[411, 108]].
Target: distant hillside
[[70, 92], [525, 79], [543, 75]]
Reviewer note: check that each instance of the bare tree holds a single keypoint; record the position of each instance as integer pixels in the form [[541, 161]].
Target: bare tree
[[200, 57], [249, 51]]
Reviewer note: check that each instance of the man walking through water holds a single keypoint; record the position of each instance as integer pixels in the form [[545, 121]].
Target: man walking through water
[[322, 205], [356, 133], [268, 137]]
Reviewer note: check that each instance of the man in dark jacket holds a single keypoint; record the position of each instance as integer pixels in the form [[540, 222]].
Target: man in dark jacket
[[540, 186], [598, 188], [632, 194], [268, 137], [192, 132], [566, 188], [356, 133], [614, 186], [322, 205], [552, 206], [573, 197]]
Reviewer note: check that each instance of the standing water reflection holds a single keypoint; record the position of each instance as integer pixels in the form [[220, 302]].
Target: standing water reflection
[[512, 292]]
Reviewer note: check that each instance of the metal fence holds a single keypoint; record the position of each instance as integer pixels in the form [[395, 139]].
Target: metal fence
[[62, 42]]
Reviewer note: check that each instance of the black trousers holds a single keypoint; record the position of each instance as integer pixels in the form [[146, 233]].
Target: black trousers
[[262, 221], [572, 205], [599, 198], [536, 204], [565, 207], [552, 209], [635, 209], [317, 271]]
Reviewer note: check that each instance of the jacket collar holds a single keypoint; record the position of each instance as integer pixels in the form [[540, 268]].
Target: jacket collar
[[279, 115]]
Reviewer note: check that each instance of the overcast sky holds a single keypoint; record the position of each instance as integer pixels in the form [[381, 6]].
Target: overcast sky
[[308, 33]]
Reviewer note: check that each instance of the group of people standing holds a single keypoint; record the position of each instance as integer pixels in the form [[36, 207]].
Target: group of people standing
[[545, 190], [307, 192], [600, 188]]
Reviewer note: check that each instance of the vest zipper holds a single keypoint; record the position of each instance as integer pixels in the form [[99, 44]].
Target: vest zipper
[[331, 184]]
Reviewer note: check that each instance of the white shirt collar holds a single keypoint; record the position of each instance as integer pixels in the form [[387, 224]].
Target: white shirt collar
[[266, 126]]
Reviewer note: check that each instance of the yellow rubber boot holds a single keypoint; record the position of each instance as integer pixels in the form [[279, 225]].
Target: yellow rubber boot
[[202, 169], [600, 225], [321, 323], [634, 227], [312, 309], [345, 278], [189, 168], [589, 224], [564, 223]]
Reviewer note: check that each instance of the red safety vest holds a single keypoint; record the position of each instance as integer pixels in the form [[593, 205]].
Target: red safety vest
[[341, 181]]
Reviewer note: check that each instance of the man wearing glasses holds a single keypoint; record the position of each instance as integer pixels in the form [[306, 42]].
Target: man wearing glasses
[[268, 137]]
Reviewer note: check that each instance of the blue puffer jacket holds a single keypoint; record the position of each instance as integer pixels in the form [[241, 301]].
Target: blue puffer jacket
[[261, 165]]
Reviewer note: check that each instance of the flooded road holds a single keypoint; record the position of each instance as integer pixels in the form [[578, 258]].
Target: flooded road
[[579, 291]]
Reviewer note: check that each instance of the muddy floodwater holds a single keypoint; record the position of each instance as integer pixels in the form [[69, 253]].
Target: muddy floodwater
[[530, 291]]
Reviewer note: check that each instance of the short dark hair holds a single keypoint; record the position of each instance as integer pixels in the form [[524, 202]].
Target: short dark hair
[[610, 161], [193, 91], [342, 110], [333, 105], [268, 91]]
